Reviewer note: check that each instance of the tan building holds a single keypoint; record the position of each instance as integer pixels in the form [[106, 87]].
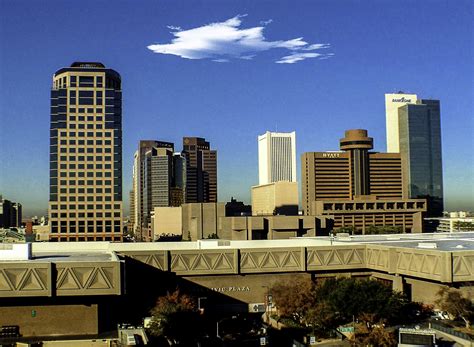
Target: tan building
[[359, 188], [353, 171], [208, 220], [167, 221], [366, 211], [85, 201], [200, 220], [275, 198]]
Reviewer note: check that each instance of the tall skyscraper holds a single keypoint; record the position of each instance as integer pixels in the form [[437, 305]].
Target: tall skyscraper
[[420, 148], [147, 172], [414, 126], [392, 103], [85, 202], [201, 170], [276, 157]]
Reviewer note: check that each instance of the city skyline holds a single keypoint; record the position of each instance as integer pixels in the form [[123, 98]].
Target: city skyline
[[231, 103]]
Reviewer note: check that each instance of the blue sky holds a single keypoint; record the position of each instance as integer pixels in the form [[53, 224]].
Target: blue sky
[[372, 47]]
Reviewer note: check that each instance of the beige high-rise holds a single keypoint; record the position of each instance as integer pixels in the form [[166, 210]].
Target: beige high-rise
[[86, 154]]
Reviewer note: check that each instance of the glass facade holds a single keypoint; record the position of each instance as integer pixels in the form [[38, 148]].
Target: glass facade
[[420, 147]]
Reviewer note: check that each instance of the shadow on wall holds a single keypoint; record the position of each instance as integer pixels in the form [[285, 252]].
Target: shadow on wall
[[145, 283]]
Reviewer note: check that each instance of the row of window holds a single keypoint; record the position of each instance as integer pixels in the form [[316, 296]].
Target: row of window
[[83, 174], [87, 158], [98, 198], [89, 126], [89, 206], [98, 166], [89, 134], [97, 118], [86, 81], [85, 215], [84, 182], [89, 229], [73, 142], [83, 150], [86, 110], [85, 191]]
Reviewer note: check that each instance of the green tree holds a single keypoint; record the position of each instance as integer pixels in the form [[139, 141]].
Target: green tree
[[454, 302], [174, 314], [337, 301]]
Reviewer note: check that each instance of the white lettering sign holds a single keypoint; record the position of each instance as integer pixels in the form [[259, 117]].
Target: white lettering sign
[[331, 155], [402, 99], [231, 289]]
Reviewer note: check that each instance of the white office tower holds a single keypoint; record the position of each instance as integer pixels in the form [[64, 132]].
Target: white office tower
[[276, 157], [392, 103]]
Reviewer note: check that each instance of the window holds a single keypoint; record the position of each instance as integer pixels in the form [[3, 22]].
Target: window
[[86, 81]]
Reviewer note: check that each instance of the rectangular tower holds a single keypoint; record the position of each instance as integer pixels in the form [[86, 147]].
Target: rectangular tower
[[201, 170], [85, 202], [392, 103], [420, 148], [145, 174], [276, 157]]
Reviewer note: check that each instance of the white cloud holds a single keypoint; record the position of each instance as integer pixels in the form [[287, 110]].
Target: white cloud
[[223, 41], [266, 22], [295, 57]]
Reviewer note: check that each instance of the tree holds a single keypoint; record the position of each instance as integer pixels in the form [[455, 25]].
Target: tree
[[375, 335], [175, 317], [337, 301], [454, 302]]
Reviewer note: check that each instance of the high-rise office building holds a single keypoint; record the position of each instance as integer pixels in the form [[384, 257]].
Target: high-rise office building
[[414, 130], [420, 148], [276, 157], [201, 170], [392, 103], [85, 202], [352, 172], [147, 173]]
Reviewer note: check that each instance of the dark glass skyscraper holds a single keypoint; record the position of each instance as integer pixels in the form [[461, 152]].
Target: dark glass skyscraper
[[86, 154], [420, 149], [201, 170]]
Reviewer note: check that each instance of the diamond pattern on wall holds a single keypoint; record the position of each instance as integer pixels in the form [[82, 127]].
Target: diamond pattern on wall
[[23, 279], [335, 258], [206, 263], [274, 261], [81, 278]]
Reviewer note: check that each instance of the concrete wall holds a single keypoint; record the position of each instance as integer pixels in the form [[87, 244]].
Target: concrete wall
[[200, 220], [45, 320], [423, 291], [249, 288], [268, 199], [167, 220]]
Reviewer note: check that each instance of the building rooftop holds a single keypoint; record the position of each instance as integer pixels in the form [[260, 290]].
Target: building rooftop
[[105, 251]]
